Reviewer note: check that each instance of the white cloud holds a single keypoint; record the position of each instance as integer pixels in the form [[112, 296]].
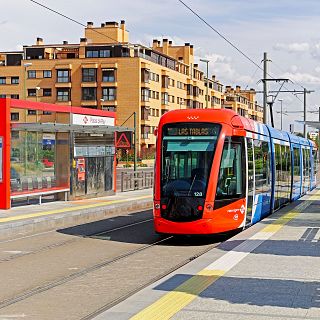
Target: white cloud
[[295, 47], [306, 78]]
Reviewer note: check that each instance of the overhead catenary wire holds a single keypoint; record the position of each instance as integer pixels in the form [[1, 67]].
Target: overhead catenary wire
[[71, 19], [227, 40]]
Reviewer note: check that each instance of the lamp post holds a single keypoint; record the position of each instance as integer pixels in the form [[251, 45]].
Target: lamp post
[[181, 103], [25, 65], [207, 80], [37, 92], [280, 113]]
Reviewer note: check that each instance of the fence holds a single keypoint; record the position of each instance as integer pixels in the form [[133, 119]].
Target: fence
[[136, 180]]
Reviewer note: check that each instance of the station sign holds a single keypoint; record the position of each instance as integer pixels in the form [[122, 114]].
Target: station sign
[[48, 139], [87, 120]]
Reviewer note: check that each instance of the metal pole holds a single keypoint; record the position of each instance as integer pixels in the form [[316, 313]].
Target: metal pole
[[305, 112], [281, 114], [265, 73], [135, 140], [207, 89]]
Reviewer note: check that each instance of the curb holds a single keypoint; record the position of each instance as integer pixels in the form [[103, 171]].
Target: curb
[[71, 218]]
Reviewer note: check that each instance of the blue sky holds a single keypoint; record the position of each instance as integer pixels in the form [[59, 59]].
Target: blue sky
[[287, 30]]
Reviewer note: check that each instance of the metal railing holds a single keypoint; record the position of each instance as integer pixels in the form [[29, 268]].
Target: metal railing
[[136, 180]]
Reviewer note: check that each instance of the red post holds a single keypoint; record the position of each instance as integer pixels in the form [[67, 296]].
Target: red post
[[5, 135]]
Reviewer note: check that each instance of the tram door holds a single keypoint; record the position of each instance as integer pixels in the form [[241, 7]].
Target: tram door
[[250, 180]]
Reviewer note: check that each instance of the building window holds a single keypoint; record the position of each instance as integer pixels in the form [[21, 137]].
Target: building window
[[14, 116], [3, 96], [32, 74], [108, 75], [109, 94], [89, 75], [47, 92], [89, 94], [105, 53], [63, 75], [63, 94], [32, 112], [2, 80], [145, 75], [14, 96], [109, 108], [144, 94], [47, 73], [32, 92], [92, 54], [14, 80], [165, 82], [164, 98]]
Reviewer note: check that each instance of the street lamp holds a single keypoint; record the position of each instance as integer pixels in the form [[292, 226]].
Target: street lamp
[[207, 82], [37, 91], [26, 65], [181, 103], [280, 113]]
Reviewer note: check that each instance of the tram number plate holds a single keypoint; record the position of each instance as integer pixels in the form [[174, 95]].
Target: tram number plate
[[198, 194]]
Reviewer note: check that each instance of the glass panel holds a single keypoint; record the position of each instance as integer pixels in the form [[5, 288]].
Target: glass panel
[[34, 160], [188, 150], [230, 184]]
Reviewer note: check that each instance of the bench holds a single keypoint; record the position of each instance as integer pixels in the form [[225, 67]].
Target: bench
[[39, 193]]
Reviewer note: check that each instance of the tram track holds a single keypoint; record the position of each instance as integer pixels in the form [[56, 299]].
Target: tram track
[[133, 233], [144, 285], [29, 293], [65, 242]]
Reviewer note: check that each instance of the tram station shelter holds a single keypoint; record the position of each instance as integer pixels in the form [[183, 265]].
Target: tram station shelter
[[55, 150]]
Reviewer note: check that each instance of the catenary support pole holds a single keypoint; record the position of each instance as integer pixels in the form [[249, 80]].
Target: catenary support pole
[[265, 74]]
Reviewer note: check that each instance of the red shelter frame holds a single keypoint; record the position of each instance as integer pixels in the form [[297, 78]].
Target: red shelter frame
[[5, 133]]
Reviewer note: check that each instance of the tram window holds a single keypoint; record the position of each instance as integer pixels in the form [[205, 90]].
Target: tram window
[[278, 175], [315, 161], [262, 165], [250, 165], [296, 165], [231, 183]]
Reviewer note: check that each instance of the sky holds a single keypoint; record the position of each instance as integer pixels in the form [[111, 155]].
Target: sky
[[288, 30]]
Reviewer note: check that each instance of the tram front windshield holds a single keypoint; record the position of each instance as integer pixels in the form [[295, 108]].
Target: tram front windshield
[[187, 155]]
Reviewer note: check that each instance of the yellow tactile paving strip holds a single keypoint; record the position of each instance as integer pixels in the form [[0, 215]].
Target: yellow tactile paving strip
[[69, 209]]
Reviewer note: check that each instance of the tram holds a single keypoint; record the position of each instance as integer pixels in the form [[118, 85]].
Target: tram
[[216, 171]]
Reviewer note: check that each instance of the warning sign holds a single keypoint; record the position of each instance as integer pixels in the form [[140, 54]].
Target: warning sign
[[123, 139]]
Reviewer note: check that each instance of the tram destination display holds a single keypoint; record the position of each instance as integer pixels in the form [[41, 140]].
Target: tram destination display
[[194, 129]]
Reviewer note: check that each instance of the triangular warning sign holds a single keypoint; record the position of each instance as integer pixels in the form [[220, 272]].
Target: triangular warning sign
[[123, 141]]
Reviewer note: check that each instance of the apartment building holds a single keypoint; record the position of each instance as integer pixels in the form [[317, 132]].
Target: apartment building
[[243, 102], [106, 71]]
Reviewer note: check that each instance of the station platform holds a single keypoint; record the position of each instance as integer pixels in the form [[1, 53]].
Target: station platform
[[60, 214], [269, 271]]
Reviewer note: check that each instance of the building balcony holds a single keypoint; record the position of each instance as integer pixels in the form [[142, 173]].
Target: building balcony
[[63, 103], [107, 103], [91, 103], [89, 84], [109, 84], [63, 84]]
